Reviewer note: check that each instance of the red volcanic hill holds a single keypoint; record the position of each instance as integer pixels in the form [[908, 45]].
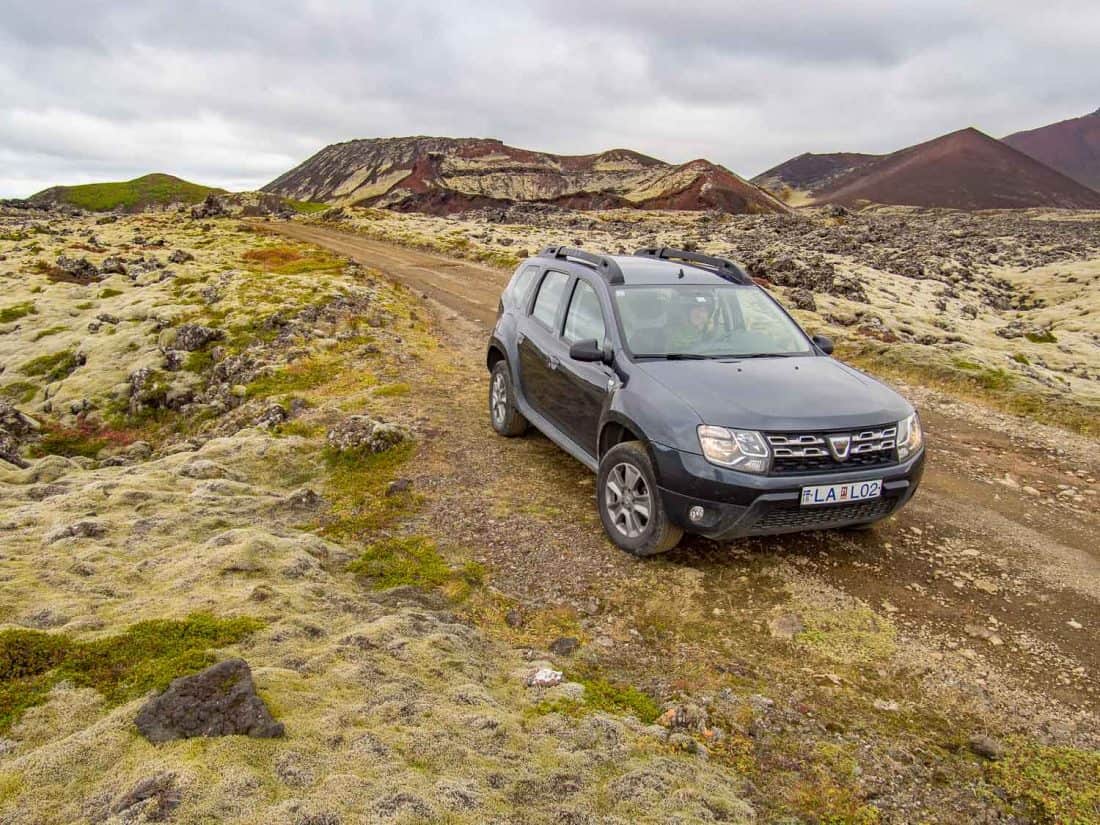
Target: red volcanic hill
[[962, 170], [1071, 146], [443, 175], [809, 172]]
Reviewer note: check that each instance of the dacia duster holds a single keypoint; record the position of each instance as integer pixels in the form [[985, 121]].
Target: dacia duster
[[696, 398]]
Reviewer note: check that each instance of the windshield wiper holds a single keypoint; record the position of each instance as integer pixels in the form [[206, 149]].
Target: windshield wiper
[[676, 356], [741, 355]]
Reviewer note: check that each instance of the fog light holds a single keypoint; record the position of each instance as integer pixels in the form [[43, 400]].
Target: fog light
[[696, 513]]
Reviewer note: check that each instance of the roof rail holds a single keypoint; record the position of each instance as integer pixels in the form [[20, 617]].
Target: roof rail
[[723, 267], [602, 263]]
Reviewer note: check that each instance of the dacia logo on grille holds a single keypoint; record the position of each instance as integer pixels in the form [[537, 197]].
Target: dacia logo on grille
[[839, 445]]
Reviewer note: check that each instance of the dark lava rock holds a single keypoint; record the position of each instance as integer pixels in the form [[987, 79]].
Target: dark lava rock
[[398, 485], [151, 800], [565, 646], [219, 701], [513, 618], [803, 299], [79, 269], [191, 337], [180, 256], [112, 265]]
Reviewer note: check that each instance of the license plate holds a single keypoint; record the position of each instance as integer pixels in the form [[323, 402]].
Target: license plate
[[840, 493]]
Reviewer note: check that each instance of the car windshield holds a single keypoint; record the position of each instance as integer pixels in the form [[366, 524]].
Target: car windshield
[[692, 321]]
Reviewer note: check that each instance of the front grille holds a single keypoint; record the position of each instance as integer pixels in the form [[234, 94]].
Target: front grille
[[819, 518], [807, 453]]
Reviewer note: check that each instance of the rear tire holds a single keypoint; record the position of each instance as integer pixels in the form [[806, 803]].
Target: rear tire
[[505, 418], [630, 504]]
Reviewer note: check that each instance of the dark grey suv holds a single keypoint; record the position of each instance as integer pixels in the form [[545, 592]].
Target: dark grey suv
[[700, 403]]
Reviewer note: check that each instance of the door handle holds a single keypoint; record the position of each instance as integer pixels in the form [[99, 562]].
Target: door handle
[[554, 362], [521, 338]]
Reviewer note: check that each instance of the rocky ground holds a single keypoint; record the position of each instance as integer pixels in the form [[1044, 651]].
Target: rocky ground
[[238, 446], [1001, 303]]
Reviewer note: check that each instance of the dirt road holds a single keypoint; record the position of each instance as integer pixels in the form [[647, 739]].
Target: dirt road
[[997, 558]]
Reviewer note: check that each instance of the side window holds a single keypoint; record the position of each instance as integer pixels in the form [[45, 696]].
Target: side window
[[584, 319], [549, 298], [520, 287]]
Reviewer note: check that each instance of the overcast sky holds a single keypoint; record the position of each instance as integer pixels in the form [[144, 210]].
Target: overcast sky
[[235, 93]]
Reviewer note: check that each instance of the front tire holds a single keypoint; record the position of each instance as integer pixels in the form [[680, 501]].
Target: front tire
[[630, 504], [505, 418]]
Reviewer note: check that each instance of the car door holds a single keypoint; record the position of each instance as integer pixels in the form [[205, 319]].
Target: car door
[[582, 385], [538, 342]]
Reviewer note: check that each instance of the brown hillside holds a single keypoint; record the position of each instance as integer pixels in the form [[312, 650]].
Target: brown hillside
[[444, 175], [1071, 146], [962, 170], [809, 172]]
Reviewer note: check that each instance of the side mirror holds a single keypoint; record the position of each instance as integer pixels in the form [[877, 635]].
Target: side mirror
[[824, 343], [588, 350]]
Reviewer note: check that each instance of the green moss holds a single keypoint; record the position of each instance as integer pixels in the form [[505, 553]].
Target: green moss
[[306, 207], [356, 487], [1045, 337], [305, 374], [19, 392], [1055, 784], [53, 367], [109, 292], [391, 390], [146, 656], [407, 560], [48, 331], [603, 694], [16, 311], [199, 361], [1020, 358], [85, 305], [148, 190]]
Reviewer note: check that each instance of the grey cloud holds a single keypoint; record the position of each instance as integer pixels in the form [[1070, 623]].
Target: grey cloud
[[235, 93]]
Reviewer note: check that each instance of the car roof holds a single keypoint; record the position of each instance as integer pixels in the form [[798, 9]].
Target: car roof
[[654, 272], [642, 270]]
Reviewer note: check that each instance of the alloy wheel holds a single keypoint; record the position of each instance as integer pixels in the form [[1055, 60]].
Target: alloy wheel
[[498, 400], [628, 500]]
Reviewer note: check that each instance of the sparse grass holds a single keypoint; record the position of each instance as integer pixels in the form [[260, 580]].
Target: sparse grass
[[131, 195], [1056, 784], [52, 367], [996, 388], [17, 311], [146, 656]]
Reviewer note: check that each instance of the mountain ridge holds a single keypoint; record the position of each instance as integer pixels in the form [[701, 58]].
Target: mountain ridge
[[443, 175], [1071, 146]]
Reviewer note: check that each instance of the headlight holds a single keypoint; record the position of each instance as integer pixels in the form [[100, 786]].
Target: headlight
[[910, 437], [743, 450]]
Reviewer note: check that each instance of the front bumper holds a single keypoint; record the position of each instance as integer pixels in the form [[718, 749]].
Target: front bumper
[[741, 504]]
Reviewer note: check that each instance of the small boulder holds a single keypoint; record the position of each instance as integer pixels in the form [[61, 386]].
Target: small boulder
[[191, 337], [153, 799], [361, 432], [565, 646], [219, 701], [803, 299], [112, 265], [986, 747], [180, 256]]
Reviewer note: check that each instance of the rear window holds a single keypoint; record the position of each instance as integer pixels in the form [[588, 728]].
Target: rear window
[[520, 287], [549, 298]]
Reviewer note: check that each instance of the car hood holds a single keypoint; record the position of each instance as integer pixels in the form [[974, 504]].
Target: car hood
[[779, 394]]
